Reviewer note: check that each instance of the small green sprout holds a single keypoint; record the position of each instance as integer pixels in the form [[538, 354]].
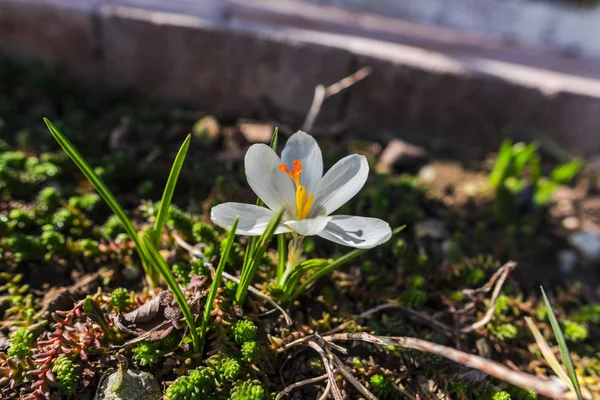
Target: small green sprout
[[380, 385], [112, 227], [204, 233], [502, 395], [229, 369], [53, 241], [20, 343], [48, 199], [250, 350], [504, 331], [120, 298], [67, 378], [146, 353], [248, 390], [575, 332], [21, 218], [244, 331], [198, 384]]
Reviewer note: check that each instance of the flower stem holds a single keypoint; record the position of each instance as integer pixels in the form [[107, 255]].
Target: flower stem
[[295, 250]]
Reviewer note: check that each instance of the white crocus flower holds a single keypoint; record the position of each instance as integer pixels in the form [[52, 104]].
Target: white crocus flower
[[296, 182]]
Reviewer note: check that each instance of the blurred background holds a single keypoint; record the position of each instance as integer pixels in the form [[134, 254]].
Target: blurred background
[[463, 75]]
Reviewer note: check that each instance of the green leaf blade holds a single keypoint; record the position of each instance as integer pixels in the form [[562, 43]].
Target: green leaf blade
[[562, 345], [104, 192], [167, 197]]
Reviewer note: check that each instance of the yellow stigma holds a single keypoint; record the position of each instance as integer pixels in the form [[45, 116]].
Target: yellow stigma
[[303, 200]]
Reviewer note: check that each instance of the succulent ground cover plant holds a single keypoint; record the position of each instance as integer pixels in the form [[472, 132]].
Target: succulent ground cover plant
[[421, 313]]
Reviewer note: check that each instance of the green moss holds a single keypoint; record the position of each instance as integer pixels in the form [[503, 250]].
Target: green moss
[[48, 199], [502, 395], [414, 298], [53, 241], [179, 220], [199, 384], [502, 304], [575, 332], [204, 233], [21, 218], [229, 369], [120, 298], [112, 228], [65, 374], [147, 353], [244, 331], [248, 390], [250, 350], [380, 385], [475, 276], [20, 343], [504, 331], [86, 202]]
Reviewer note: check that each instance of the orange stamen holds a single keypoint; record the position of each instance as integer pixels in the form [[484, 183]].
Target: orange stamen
[[303, 199]]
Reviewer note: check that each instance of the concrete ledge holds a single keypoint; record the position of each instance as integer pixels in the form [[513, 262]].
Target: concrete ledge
[[59, 33], [258, 60], [562, 26]]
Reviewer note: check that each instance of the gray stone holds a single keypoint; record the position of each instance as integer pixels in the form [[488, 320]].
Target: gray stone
[[136, 385], [587, 243], [400, 154], [567, 261], [431, 228]]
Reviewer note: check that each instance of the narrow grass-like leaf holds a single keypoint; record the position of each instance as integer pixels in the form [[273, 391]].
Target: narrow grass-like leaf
[[95, 313], [501, 167], [165, 272], [106, 194], [562, 345], [281, 254], [566, 172], [548, 354], [274, 139], [299, 271], [165, 201], [217, 278], [261, 247], [327, 269]]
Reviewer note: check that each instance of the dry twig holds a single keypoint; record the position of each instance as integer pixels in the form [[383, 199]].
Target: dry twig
[[546, 388], [296, 385], [322, 92], [335, 390], [500, 277]]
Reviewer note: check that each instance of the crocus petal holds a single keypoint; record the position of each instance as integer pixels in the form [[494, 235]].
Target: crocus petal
[[310, 226], [253, 219], [340, 184], [359, 232], [270, 184], [301, 146]]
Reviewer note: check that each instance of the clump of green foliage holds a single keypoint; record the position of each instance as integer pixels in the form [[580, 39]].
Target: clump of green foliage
[[147, 353], [250, 350], [20, 343], [66, 376], [380, 385], [244, 331], [198, 384], [501, 395], [229, 369], [517, 179], [248, 390], [120, 298]]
